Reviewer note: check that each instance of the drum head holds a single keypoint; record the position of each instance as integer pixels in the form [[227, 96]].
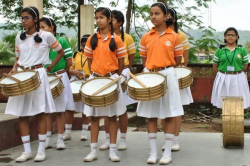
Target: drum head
[[55, 83], [150, 80], [182, 72], [76, 85], [95, 84], [22, 76]]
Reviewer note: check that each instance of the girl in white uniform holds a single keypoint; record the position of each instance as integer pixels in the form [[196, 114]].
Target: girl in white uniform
[[32, 50]]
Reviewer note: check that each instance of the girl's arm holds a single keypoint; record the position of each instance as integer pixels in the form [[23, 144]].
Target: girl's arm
[[215, 67], [68, 64], [121, 65], [144, 59], [131, 58], [186, 57], [90, 63], [60, 54], [14, 69], [178, 60], [245, 67]]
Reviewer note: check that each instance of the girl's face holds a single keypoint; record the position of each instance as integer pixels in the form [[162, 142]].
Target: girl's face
[[28, 21], [45, 27], [83, 45], [157, 16], [231, 37], [101, 20], [116, 25]]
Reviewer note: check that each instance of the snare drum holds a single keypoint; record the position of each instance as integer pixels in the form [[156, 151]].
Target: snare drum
[[104, 98], [75, 87], [123, 83], [184, 75], [30, 81], [56, 85], [155, 82]]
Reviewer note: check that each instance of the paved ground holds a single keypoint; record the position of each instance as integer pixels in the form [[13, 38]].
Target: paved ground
[[197, 149]]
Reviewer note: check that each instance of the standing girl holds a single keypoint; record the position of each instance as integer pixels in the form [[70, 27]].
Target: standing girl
[[32, 50], [65, 100], [118, 21], [79, 69], [105, 52], [186, 95], [230, 62], [161, 49]]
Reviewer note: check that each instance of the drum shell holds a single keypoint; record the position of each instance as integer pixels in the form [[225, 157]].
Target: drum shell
[[21, 88], [147, 94], [58, 89], [185, 82], [124, 84], [76, 96], [100, 101], [233, 121]]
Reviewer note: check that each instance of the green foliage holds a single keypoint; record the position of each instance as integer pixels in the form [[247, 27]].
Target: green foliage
[[73, 42], [247, 115], [247, 46]]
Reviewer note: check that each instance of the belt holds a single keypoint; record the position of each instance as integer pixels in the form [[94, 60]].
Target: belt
[[125, 67], [60, 72], [158, 69], [32, 67], [106, 75], [231, 72]]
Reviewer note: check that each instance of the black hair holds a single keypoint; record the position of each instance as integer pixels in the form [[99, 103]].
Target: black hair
[[173, 13], [162, 6], [85, 38], [231, 29], [50, 22], [94, 39], [120, 18], [33, 11]]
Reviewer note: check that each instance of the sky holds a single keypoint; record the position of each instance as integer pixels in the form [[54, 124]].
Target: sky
[[224, 13]]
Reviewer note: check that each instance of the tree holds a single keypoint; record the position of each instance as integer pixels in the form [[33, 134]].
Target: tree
[[247, 46]]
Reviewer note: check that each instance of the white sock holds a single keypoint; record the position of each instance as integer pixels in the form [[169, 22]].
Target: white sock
[[107, 138], [68, 128], [41, 138], [123, 137], [59, 137], [168, 143], [93, 147], [26, 143], [48, 135], [85, 128], [176, 139], [152, 141], [112, 148]]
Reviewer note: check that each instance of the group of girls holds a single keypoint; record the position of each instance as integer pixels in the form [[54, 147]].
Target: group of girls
[[108, 53]]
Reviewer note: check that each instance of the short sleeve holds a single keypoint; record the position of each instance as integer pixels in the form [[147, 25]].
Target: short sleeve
[[178, 47], [53, 43], [184, 40], [142, 49], [66, 47], [17, 50], [216, 58], [244, 56], [88, 49], [131, 45], [121, 50]]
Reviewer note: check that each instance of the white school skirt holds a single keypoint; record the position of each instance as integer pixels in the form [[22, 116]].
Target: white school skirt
[[35, 102], [230, 85], [128, 99], [65, 100], [186, 96], [167, 106], [116, 109]]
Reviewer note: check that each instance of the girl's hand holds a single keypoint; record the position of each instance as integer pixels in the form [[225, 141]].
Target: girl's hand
[[78, 74], [14, 70]]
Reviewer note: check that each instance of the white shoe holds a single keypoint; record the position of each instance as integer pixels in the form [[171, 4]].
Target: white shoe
[[163, 148], [60, 145], [122, 146], [152, 159], [40, 156], [24, 157], [113, 157], [175, 147], [105, 146], [165, 160], [91, 157], [66, 136], [84, 137], [48, 144]]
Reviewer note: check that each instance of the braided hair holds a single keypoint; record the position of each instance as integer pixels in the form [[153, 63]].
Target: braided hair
[[93, 42], [120, 18], [33, 11]]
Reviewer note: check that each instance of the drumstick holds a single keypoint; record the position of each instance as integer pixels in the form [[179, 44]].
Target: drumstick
[[55, 79], [106, 86], [11, 77], [137, 80]]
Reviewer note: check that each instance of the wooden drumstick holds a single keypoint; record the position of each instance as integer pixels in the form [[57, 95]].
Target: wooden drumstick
[[51, 81], [137, 80], [106, 86], [11, 77]]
